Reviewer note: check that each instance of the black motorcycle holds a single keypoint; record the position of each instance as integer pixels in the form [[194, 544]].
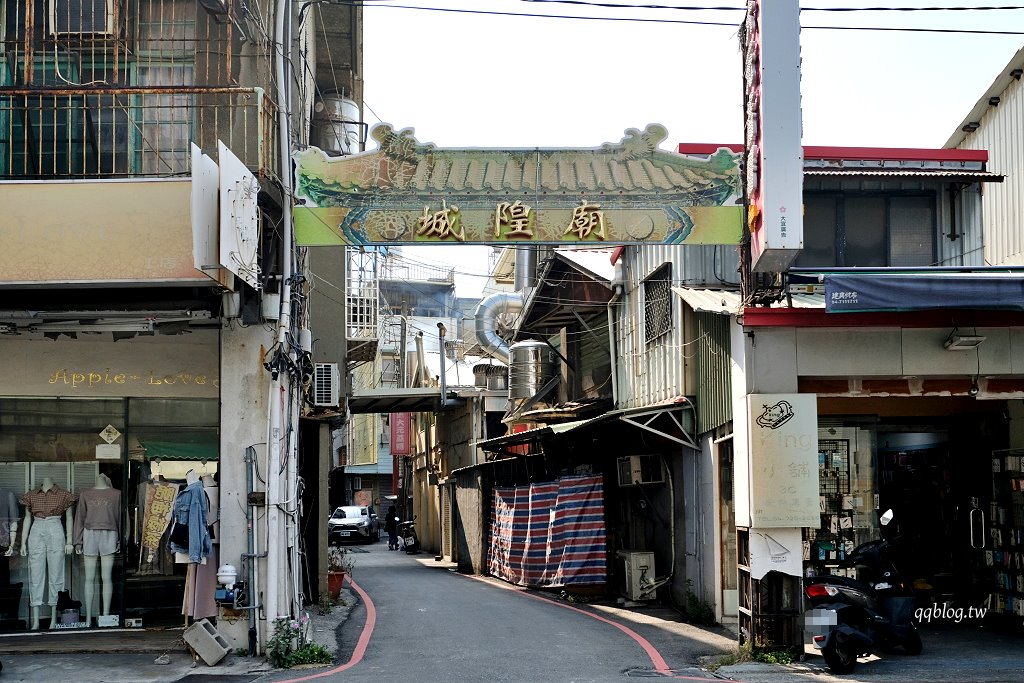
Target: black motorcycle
[[407, 532], [850, 618]]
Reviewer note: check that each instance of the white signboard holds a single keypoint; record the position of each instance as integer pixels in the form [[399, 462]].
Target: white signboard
[[773, 134], [204, 212], [783, 460], [776, 550], [108, 451], [239, 226]]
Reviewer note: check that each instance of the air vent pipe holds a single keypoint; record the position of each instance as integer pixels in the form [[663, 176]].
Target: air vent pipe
[[507, 304], [526, 268]]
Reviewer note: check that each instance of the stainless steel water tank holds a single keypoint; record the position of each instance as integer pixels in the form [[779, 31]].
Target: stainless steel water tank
[[531, 365], [337, 124]]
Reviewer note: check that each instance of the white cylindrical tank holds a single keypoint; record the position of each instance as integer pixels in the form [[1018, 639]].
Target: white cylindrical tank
[[337, 124]]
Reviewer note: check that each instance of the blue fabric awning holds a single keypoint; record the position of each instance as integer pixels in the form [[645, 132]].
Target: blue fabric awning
[[861, 292]]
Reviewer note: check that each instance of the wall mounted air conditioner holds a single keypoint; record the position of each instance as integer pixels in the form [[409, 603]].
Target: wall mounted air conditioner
[[640, 469], [70, 18], [326, 384]]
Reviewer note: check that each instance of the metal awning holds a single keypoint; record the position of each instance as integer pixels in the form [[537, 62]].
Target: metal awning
[[730, 302], [641, 418], [855, 292], [419, 400], [952, 175]]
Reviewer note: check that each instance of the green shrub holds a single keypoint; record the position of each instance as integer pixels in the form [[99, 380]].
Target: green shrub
[[698, 611], [287, 645]]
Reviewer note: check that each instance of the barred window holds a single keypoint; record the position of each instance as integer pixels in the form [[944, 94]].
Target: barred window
[[658, 303]]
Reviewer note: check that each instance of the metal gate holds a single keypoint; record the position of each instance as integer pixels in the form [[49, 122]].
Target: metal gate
[[447, 542]]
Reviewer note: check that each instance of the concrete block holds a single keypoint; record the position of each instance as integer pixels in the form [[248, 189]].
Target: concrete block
[[203, 638]]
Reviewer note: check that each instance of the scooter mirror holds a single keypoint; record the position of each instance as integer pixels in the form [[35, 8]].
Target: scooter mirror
[[886, 517]]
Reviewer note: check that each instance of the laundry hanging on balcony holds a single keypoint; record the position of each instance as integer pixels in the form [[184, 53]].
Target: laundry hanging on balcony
[[550, 534]]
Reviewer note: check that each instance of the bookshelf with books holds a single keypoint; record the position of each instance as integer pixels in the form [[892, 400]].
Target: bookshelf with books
[[1004, 547]]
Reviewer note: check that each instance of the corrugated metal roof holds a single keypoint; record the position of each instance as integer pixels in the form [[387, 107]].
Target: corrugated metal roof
[[730, 302], [710, 300], [597, 261], [1001, 82], [983, 176]]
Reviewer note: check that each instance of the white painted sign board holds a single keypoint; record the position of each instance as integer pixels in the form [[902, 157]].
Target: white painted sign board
[[783, 460], [239, 224]]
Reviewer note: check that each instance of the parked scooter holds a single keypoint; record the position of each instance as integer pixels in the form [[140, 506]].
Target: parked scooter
[[849, 618], [407, 532]]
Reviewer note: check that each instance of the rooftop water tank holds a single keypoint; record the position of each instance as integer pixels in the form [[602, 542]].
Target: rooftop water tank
[[531, 365], [337, 124]]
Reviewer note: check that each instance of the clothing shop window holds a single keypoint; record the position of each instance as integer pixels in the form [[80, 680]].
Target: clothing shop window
[[173, 443], [74, 478], [58, 572], [658, 303]]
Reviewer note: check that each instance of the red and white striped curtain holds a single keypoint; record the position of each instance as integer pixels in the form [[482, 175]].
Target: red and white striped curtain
[[550, 534]]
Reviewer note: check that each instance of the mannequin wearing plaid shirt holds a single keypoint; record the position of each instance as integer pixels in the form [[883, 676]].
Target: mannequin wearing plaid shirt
[[41, 541]]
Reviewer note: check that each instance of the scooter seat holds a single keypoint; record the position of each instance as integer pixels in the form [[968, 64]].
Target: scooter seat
[[834, 580]]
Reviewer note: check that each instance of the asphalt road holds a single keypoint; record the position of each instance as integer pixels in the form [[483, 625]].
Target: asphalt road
[[430, 623], [433, 624]]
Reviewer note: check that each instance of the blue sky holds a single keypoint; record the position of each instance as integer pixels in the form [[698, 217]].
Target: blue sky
[[472, 80]]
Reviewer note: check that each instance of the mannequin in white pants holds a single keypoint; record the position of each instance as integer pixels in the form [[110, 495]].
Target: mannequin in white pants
[[93, 504], [45, 559]]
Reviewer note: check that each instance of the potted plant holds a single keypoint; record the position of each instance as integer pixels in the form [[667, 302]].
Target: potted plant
[[338, 564]]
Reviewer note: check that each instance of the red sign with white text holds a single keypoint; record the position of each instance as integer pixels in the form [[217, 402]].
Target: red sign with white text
[[401, 427]]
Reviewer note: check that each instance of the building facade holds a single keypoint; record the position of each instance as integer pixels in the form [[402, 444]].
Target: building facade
[[150, 312]]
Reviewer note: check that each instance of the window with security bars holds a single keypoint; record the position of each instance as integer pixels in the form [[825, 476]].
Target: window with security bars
[[658, 303], [866, 229]]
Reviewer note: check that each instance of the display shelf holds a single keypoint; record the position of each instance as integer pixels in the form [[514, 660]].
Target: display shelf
[[1004, 547]]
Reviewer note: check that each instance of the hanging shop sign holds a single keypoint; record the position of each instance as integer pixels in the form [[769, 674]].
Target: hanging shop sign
[[860, 292], [626, 193], [783, 460], [401, 428], [772, 130]]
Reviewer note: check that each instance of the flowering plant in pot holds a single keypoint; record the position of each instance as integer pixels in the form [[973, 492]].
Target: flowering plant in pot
[[339, 563]]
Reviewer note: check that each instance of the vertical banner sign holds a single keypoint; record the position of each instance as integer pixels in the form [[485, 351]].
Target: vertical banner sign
[[783, 460], [401, 426], [772, 131]]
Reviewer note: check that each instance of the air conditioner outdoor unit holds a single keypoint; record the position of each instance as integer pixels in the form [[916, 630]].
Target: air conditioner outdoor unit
[[82, 17], [326, 384], [640, 469], [638, 572]]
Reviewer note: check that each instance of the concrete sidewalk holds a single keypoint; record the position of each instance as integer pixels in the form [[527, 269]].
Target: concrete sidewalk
[[174, 664], [951, 653]]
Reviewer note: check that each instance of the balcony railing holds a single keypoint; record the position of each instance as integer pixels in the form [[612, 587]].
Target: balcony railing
[[124, 132]]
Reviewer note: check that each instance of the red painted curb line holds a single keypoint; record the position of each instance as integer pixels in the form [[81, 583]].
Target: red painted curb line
[[364, 638], [659, 663]]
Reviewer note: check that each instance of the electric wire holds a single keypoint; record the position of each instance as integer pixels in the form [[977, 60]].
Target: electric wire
[[733, 25]]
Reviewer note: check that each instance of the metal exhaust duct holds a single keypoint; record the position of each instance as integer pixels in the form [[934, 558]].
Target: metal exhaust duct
[[487, 311]]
